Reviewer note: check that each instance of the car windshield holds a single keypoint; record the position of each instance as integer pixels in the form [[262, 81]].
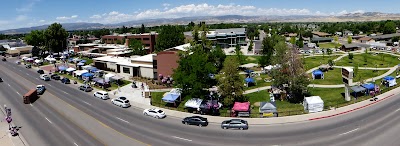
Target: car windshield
[[123, 98], [105, 93], [126, 101], [159, 111]]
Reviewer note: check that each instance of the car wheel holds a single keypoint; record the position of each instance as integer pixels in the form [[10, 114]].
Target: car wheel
[[225, 128], [157, 117], [241, 128], [145, 114], [200, 125], [186, 123]]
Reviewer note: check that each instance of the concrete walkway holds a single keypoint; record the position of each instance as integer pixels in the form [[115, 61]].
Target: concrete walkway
[[5, 137]]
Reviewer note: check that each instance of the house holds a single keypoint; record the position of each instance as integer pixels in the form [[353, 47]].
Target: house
[[166, 61], [348, 33], [350, 47], [366, 40], [321, 39], [384, 37], [133, 66]]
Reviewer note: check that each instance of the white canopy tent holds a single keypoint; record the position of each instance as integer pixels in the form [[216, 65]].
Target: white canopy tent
[[108, 76], [70, 69], [313, 104], [23, 58], [86, 66], [38, 61], [193, 103]]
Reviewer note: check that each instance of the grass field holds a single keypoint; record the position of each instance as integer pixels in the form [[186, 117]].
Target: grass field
[[380, 60], [315, 61], [334, 77]]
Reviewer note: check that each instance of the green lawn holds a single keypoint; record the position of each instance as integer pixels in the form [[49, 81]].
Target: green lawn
[[249, 59], [88, 61], [315, 61], [329, 45], [260, 81], [381, 60], [334, 77]]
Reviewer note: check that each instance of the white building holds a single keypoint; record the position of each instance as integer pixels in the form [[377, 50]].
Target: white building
[[133, 66]]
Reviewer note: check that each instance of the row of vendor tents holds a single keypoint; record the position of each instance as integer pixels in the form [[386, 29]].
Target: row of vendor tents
[[89, 72]]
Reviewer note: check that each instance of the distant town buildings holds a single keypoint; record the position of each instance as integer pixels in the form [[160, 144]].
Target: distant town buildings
[[148, 39], [225, 37]]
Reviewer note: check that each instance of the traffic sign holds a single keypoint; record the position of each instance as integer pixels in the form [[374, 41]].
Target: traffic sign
[[8, 111], [8, 119]]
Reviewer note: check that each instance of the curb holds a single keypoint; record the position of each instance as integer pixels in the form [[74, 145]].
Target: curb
[[345, 112], [23, 140]]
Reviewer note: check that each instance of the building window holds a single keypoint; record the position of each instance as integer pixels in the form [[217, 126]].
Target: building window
[[146, 39], [126, 70], [147, 45]]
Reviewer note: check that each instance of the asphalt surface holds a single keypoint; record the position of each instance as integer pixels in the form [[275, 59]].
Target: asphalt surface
[[105, 124]]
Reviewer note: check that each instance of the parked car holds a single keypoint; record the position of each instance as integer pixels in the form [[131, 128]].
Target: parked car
[[235, 124], [40, 89], [28, 66], [154, 112], [121, 102], [101, 94], [65, 81], [85, 88], [195, 120], [55, 77], [40, 71], [1, 80], [3, 59], [45, 77]]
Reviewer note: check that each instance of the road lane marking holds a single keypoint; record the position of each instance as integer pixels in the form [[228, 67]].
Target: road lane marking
[[122, 120], [50, 85], [349, 131], [66, 93], [48, 120], [181, 138], [9, 85], [86, 103], [397, 110], [76, 144], [18, 93], [31, 105]]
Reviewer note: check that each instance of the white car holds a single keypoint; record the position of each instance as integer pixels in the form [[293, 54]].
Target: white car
[[154, 112], [45, 77], [101, 94], [121, 102]]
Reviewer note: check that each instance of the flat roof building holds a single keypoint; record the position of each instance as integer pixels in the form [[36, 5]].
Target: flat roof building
[[147, 39], [224, 37]]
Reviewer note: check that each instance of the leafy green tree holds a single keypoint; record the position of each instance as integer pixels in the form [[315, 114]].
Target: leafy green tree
[[136, 47], [349, 40], [142, 29], [56, 37], [390, 27], [351, 56], [336, 39], [35, 38], [292, 40], [355, 74], [192, 74], [300, 43], [291, 72], [231, 84], [330, 62], [195, 34], [250, 48], [168, 37], [239, 54], [218, 57], [35, 51], [396, 39]]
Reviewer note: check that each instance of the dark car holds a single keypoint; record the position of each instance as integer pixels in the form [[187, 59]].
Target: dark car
[[28, 66], [3, 59], [235, 124], [65, 81], [85, 88], [55, 77], [195, 120], [40, 71], [1, 80]]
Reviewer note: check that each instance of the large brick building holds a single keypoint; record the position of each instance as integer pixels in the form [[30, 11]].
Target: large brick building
[[148, 39], [166, 61]]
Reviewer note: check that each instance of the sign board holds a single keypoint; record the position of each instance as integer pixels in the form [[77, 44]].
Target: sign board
[[9, 119], [347, 73], [268, 114], [243, 114], [346, 81]]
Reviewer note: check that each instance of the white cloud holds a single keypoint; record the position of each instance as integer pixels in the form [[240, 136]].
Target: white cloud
[[95, 17], [166, 4], [41, 21], [27, 7], [67, 17], [21, 18], [346, 12]]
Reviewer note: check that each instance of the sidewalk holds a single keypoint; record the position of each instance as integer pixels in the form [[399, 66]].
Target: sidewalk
[[5, 137]]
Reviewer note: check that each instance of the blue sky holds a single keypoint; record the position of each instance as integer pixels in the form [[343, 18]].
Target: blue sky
[[26, 13]]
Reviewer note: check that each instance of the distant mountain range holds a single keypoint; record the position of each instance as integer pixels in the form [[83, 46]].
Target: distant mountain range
[[367, 16]]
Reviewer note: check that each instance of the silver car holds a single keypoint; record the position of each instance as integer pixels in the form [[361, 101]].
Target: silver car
[[235, 124], [121, 102]]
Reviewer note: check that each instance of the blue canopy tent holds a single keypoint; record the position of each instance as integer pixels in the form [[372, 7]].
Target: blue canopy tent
[[170, 98], [87, 75], [82, 61], [62, 68], [249, 81], [317, 73], [369, 86], [389, 81], [93, 70]]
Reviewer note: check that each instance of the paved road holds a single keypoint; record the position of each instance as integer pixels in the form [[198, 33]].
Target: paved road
[[361, 127]]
